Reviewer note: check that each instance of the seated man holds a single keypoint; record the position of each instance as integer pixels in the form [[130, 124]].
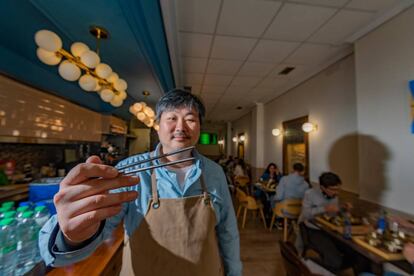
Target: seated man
[[324, 200], [292, 186]]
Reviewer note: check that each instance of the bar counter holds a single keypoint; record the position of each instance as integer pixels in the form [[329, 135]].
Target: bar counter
[[106, 260]]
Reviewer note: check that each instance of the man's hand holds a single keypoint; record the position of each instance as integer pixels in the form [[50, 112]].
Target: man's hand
[[331, 208], [409, 252], [83, 200]]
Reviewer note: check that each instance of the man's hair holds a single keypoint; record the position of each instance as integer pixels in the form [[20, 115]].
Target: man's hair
[[179, 98], [298, 167], [329, 179]]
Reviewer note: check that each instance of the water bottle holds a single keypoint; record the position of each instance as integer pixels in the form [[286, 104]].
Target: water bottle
[[41, 215], [8, 204], [382, 222], [8, 246], [20, 211], [9, 214], [26, 203], [40, 203], [2, 211], [347, 227], [27, 233]]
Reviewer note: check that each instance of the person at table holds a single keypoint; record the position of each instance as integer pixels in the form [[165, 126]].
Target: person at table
[[292, 186], [317, 201], [239, 168], [271, 174], [179, 219]]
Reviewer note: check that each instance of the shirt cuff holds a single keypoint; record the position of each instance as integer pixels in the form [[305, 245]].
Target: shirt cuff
[[62, 246]]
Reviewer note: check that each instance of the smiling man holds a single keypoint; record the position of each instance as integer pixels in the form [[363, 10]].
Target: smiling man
[[179, 220]]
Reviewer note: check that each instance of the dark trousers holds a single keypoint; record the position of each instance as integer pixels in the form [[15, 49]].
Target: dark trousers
[[334, 254]]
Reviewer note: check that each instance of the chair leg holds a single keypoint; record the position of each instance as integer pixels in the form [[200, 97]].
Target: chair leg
[[238, 211], [272, 222], [244, 217], [285, 229], [263, 218]]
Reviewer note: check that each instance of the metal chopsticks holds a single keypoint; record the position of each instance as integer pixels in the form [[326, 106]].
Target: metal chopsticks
[[123, 168], [158, 166]]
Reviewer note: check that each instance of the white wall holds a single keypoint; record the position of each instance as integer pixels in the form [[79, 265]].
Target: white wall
[[329, 100], [384, 65]]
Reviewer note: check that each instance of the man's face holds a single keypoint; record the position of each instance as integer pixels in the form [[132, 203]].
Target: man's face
[[179, 128], [331, 191]]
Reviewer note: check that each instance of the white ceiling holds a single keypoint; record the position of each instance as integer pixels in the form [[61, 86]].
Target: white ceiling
[[231, 51]]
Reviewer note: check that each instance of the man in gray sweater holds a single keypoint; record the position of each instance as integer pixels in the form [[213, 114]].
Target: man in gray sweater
[[334, 255]]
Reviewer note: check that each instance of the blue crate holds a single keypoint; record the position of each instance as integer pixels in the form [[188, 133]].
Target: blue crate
[[44, 190]]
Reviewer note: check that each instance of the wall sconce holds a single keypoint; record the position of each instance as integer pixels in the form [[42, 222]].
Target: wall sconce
[[309, 127], [276, 132], [234, 139], [221, 142], [242, 138]]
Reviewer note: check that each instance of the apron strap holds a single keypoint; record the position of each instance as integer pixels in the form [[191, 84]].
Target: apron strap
[[204, 188], [156, 202], [154, 189]]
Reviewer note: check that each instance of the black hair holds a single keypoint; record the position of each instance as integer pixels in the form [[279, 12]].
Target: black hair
[[268, 167], [329, 179], [298, 167], [178, 98]]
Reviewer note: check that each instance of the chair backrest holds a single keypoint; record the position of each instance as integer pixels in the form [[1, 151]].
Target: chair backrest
[[241, 195], [242, 180], [293, 264], [251, 203], [289, 208]]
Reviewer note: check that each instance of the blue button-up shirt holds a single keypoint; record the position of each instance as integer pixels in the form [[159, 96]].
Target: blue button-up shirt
[[133, 212]]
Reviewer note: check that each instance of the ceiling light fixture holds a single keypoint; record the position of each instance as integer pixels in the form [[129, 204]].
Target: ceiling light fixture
[[144, 113], [97, 77]]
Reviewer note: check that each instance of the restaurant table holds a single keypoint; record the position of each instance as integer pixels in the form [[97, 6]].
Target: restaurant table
[[376, 260], [106, 260]]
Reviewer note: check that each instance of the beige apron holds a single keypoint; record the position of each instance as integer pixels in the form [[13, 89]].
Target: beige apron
[[176, 237]]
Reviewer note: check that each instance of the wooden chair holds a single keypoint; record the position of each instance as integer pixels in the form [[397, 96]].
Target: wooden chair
[[242, 182], [248, 203], [241, 198], [293, 264], [289, 209]]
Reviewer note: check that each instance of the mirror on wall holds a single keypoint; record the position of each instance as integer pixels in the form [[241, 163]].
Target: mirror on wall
[[295, 145]]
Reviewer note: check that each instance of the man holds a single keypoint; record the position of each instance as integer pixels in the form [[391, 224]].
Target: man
[[292, 185], [317, 201], [179, 219]]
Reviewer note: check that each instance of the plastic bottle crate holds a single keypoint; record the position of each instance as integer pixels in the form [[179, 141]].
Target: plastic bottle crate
[[44, 190]]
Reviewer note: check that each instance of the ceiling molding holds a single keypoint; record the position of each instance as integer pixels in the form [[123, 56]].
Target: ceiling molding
[[169, 14], [389, 14]]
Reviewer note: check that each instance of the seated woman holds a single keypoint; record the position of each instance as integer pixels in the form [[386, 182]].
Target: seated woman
[[271, 175]]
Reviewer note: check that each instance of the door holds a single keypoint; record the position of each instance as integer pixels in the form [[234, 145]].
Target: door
[[295, 145]]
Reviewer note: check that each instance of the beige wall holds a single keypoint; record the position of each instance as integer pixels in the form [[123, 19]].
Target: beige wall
[[329, 100], [362, 109], [384, 65]]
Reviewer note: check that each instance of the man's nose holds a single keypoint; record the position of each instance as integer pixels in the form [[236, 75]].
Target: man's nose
[[180, 125]]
